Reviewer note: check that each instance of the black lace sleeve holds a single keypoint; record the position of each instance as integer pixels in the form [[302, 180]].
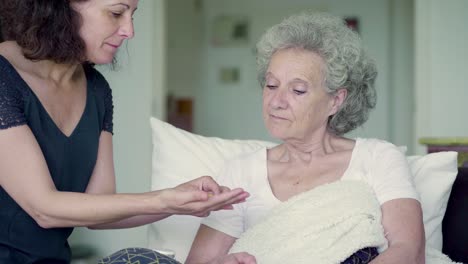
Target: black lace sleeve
[[104, 95], [11, 100], [109, 115]]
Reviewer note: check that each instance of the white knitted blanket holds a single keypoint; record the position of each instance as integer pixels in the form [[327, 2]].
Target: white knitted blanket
[[324, 225]]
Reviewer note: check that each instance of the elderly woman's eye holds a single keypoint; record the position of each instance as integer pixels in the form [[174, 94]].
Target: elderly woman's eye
[[271, 86], [116, 14], [299, 92]]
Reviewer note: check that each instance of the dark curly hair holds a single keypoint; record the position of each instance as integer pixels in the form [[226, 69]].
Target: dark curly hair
[[1, 35], [44, 29]]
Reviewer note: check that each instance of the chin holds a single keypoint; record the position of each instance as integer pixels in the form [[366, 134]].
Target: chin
[[101, 61], [103, 58], [275, 133]]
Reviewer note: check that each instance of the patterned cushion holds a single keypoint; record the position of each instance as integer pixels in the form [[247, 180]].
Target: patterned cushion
[[137, 256]]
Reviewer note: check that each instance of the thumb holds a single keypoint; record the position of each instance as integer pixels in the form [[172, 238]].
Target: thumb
[[193, 196]]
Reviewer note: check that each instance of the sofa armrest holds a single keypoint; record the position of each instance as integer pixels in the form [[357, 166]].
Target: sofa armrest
[[455, 223]]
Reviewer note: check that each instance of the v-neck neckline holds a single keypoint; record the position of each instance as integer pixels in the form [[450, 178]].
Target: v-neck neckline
[[51, 120], [341, 178], [48, 116]]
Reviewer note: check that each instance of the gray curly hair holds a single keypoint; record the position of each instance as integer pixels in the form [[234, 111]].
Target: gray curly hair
[[348, 65]]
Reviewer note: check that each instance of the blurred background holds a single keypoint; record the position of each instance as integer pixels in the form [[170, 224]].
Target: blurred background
[[192, 63]]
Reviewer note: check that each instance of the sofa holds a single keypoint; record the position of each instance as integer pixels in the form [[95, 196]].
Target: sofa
[[179, 156], [455, 222]]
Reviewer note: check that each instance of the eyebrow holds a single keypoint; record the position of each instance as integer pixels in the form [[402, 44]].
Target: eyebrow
[[298, 80], [295, 80], [126, 5]]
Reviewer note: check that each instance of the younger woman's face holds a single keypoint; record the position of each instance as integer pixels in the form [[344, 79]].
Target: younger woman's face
[[105, 26]]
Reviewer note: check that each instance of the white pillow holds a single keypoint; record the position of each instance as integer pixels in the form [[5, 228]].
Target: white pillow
[[180, 156], [433, 176]]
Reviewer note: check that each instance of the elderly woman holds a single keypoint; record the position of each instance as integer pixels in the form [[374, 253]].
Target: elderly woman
[[318, 84]]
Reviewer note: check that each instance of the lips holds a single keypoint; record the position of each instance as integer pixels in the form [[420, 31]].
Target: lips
[[115, 46], [277, 117]]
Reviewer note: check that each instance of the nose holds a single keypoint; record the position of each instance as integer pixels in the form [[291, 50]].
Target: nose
[[126, 29], [279, 101]]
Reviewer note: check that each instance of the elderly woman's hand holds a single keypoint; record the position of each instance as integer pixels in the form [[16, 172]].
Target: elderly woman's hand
[[238, 258], [199, 197]]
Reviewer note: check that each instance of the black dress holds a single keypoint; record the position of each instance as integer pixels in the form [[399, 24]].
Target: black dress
[[70, 159]]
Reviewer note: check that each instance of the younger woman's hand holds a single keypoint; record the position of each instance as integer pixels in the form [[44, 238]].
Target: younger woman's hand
[[199, 197]]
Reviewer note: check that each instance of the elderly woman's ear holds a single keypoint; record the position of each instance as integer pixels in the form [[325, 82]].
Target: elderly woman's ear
[[337, 101]]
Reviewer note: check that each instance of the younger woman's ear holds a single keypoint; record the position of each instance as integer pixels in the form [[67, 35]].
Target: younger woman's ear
[[337, 100]]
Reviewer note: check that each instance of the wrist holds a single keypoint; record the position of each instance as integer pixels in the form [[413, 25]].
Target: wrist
[[154, 203]]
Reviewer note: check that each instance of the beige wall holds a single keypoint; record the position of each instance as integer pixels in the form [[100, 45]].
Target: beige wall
[[441, 69]]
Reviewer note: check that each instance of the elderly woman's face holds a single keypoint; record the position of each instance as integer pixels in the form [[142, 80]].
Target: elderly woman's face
[[105, 25], [295, 103]]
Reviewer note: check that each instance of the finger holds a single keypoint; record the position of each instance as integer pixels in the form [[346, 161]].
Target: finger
[[226, 207], [210, 185], [241, 197], [229, 205], [240, 258], [229, 196], [245, 258], [226, 199], [213, 203], [224, 189], [202, 214], [239, 201]]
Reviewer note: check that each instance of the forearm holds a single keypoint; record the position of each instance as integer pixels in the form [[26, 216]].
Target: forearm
[[67, 209], [400, 254], [131, 222], [404, 230]]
